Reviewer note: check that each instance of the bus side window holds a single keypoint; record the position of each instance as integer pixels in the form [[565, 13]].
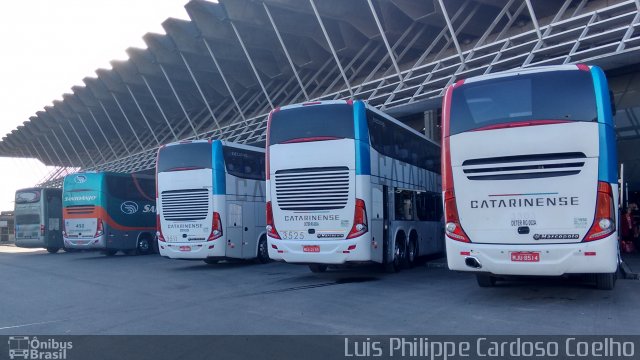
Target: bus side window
[[403, 205]]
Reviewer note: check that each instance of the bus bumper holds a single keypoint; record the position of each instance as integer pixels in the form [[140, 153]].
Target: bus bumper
[[200, 250], [89, 244], [600, 256], [30, 243], [330, 252]]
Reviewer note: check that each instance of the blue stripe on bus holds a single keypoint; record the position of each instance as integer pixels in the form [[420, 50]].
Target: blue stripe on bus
[[219, 178], [363, 155], [607, 160]]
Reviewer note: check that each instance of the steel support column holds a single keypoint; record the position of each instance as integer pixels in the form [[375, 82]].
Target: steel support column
[[124, 144], [62, 147], [144, 117], [164, 116], [175, 93], [384, 38], [52, 150], [224, 79], [79, 140], [204, 99], [104, 159], [255, 72], [73, 147], [284, 49], [102, 132], [333, 51], [454, 37]]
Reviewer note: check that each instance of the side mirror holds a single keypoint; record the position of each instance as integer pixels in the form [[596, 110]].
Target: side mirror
[[613, 103]]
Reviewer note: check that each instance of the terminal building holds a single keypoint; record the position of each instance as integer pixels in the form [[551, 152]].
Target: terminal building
[[219, 74]]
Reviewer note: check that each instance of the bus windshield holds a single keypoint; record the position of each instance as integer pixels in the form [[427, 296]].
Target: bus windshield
[[560, 95], [312, 122], [189, 156]]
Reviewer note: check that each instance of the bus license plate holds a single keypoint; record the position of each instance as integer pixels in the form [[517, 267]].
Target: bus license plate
[[185, 248], [311, 248], [525, 256]]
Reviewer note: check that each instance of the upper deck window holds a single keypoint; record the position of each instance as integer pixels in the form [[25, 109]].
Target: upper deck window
[[306, 123], [555, 95]]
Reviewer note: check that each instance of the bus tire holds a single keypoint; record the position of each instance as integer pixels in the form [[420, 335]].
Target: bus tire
[[318, 268], [399, 255], [211, 261], [485, 280], [605, 281], [143, 246], [110, 252], [263, 251], [52, 250], [412, 254]]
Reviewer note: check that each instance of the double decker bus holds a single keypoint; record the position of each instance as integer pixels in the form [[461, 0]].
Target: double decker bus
[[110, 212], [211, 202], [347, 183], [530, 176], [38, 218]]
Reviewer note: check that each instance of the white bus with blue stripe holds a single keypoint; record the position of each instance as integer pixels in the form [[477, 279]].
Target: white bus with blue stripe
[[211, 203], [530, 177], [347, 183]]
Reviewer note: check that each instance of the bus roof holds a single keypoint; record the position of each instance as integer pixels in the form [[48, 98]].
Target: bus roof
[[223, 142], [521, 71]]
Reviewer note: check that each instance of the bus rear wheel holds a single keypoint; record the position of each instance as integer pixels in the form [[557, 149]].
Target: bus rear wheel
[[52, 250], [263, 251], [318, 268], [606, 281], [485, 280]]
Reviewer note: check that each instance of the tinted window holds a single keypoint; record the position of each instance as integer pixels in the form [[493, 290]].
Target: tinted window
[[558, 95], [429, 206], [27, 219], [189, 156], [396, 142], [130, 187], [403, 205], [332, 121], [244, 163], [26, 197]]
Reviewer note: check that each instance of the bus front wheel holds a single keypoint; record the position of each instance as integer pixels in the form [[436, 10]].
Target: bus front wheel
[[263, 251], [52, 250], [606, 281], [318, 268]]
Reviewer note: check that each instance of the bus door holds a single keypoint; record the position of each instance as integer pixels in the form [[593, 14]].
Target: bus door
[[53, 216], [377, 222], [235, 229], [249, 241]]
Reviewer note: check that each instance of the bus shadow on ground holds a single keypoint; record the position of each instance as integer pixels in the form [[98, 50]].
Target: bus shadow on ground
[[199, 265]]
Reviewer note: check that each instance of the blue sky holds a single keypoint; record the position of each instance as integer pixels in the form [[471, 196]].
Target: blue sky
[[50, 46]]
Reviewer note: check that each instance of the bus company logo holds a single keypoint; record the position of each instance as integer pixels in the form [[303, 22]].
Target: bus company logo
[[80, 179], [25, 347], [129, 207], [556, 236]]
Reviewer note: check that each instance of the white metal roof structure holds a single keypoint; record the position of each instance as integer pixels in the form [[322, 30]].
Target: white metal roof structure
[[220, 73]]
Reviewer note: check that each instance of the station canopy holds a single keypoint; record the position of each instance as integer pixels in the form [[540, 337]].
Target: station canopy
[[218, 74]]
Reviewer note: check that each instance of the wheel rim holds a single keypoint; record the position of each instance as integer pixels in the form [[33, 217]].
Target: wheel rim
[[143, 245], [398, 254]]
